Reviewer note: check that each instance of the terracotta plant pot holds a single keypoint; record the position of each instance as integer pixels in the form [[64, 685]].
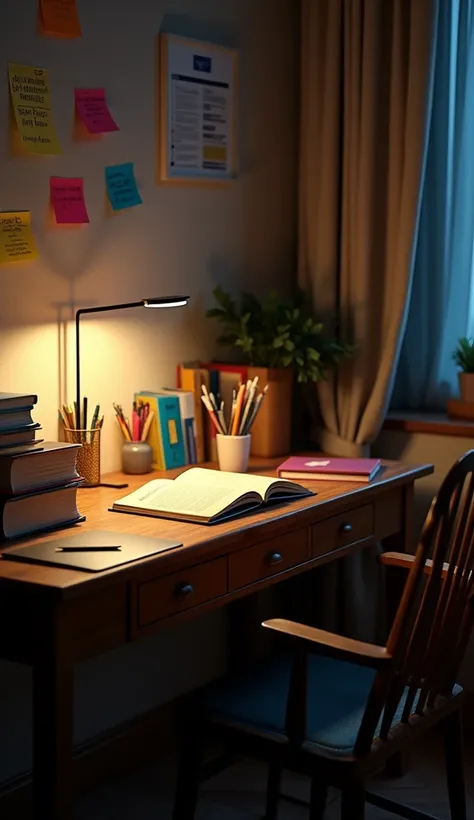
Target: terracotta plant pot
[[466, 386], [271, 433]]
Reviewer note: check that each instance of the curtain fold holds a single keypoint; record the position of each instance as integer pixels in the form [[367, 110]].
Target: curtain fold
[[441, 302], [366, 77]]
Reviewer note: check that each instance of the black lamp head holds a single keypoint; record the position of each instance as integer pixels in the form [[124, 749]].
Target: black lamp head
[[166, 302]]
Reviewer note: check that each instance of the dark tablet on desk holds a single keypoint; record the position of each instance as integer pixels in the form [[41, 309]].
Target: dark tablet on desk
[[92, 551]]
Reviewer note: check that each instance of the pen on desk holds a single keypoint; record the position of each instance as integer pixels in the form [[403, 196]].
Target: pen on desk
[[89, 549], [84, 412]]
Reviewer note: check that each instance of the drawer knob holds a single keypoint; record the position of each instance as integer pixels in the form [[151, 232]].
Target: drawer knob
[[274, 558], [346, 528], [183, 590]]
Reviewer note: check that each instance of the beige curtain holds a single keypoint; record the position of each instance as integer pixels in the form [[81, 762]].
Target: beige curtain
[[366, 89], [366, 71]]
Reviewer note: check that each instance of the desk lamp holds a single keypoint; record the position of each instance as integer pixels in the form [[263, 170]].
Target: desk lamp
[[162, 302]]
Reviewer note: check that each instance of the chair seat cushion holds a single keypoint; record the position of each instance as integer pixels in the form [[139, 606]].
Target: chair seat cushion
[[336, 698]]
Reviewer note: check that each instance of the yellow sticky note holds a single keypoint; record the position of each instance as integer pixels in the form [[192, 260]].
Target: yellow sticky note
[[172, 431], [17, 243], [60, 18], [31, 100]]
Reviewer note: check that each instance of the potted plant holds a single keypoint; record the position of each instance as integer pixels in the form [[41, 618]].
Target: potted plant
[[464, 358], [280, 340]]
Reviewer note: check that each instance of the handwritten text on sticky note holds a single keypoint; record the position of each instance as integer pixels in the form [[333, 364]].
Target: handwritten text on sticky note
[[67, 199], [92, 109], [31, 100], [59, 18], [17, 243], [121, 186]]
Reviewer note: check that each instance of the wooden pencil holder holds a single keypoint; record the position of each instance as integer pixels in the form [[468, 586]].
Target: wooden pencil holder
[[88, 455]]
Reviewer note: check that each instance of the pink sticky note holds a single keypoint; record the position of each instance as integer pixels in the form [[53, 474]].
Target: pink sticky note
[[67, 199], [92, 108]]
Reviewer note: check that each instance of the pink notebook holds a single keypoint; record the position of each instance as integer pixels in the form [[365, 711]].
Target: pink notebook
[[329, 469]]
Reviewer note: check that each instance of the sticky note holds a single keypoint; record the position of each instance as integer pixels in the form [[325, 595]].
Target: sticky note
[[121, 186], [31, 100], [59, 18], [91, 107], [67, 199], [17, 243]]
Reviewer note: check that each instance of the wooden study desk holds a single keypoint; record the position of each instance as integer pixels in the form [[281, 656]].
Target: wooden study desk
[[51, 618]]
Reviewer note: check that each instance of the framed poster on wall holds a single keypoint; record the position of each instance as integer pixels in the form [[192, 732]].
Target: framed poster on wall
[[197, 111]]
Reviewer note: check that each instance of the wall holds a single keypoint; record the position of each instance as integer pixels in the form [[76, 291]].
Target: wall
[[442, 452], [179, 240]]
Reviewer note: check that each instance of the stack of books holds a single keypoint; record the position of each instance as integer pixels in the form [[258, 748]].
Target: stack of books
[[38, 480], [17, 427]]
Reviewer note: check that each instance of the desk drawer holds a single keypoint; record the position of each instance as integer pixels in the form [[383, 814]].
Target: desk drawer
[[342, 530], [268, 558], [175, 593]]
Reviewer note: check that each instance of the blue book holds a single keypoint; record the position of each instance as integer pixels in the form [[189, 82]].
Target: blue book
[[171, 432], [170, 429]]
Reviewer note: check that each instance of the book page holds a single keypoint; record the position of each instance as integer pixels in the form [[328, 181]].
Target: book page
[[197, 498], [237, 483], [146, 494]]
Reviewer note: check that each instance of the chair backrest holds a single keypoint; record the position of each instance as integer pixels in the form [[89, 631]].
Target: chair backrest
[[435, 617]]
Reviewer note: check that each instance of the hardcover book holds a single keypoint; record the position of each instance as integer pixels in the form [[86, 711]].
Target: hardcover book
[[33, 468], [16, 401], [208, 496], [329, 469], [40, 511]]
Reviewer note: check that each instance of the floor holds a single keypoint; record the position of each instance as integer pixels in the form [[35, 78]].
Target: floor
[[238, 793]]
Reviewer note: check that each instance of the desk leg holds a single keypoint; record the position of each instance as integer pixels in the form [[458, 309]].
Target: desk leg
[[53, 685], [403, 541]]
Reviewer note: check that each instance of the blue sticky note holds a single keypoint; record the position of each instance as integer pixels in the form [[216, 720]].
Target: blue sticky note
[[121, 186]]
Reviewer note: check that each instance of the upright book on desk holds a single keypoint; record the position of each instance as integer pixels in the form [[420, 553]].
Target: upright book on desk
[[166, 434], [208, 496]]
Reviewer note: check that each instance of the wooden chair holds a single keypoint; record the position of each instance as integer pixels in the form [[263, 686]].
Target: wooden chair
[[336, 709]]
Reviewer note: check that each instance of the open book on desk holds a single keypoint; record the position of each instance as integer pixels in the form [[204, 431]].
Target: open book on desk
[[208, 496]]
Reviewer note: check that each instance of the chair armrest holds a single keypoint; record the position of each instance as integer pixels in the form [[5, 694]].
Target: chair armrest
[[406, 561], [328, 643]]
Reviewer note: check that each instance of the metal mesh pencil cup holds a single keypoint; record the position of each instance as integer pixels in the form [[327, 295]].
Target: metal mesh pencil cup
[[88, 455]]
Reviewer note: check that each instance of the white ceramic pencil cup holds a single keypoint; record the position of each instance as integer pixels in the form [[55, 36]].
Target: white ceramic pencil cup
[[233, 452]]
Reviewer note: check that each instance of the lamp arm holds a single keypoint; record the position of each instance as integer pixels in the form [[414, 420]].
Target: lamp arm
[[79, 313]]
